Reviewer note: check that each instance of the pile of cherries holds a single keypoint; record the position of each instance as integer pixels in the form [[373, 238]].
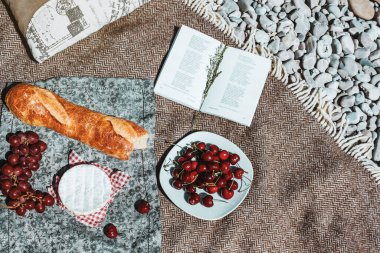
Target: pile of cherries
[[206, 167], [23, 158]]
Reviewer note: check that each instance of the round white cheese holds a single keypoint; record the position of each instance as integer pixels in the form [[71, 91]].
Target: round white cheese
[[84, 189]]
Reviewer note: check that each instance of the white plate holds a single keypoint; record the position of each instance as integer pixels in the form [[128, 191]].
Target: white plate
[[84, 189], [220, 209]]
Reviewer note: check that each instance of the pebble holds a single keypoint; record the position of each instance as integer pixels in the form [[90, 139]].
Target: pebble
[[329, 94], [323, 64], [362, 9], [365, 39], [359, 98], [349, 65], [274, 46], [288, 40], [322, 79], [345, 85], [361, 126], [309, 60], [244, 5], [361, 53], [372, 92], [353, 118], [260, 11], [261, 37], [366, 109], [300, 4], [267, 24], [362, 77], [336, 46], [347, 101], [324, 49], [276, 2], [286, 55], [347, 44]]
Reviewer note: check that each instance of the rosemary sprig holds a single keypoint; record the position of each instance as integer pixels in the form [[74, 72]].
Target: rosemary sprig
[[212, 73]]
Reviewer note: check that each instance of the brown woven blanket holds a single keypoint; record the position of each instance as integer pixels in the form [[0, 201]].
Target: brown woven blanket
[[307, 195]]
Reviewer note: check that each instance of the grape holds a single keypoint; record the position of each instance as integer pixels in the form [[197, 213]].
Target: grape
[[7, 170], [29, 204], [34, 166], [32, 137], [22, 136], [14, 140], [21, 210], [23, 186], [38, 157], [48, 200], [39, 194], [15, 150], [42, 145], [6, 184], [39, 207], [23, 162], [4, 192], [17, 170], [13, 159], [11, 203], [14, 193], [31, 159], [22, 177], [24, 149], [34, 150], [28, 173]]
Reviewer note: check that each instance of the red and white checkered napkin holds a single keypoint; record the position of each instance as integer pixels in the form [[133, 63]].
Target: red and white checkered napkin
[[118, 181]]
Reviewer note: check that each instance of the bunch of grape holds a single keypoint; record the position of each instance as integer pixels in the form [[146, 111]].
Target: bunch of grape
[[26, 152]]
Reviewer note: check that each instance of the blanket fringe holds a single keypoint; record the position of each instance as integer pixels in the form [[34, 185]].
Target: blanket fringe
[[359, 146]]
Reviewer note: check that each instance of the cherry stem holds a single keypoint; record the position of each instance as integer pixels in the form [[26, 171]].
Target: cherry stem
[[221, 200], [243, 190]]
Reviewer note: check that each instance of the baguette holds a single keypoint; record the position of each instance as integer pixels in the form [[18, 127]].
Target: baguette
[[40, 107]]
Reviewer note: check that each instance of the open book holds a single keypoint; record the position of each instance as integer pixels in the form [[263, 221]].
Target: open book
[[204, 74]]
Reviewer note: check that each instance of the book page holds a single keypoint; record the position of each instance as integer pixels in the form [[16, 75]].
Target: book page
[[184, 75], [235, 93]]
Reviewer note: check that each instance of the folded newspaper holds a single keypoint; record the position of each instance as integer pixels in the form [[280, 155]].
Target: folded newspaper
[[51, 26]]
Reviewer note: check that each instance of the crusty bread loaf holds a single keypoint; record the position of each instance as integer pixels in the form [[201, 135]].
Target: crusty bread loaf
[[40, 107]]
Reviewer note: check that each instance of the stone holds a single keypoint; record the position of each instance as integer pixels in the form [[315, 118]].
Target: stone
[[347, 44], [309, 60], [345, 85], [322, 79], [285, 55], [334, 61], [353, 90], [365, 39], [291, 66], [324, 49], [230, 6], [361, 53], [288, 40], [347, 101], [312, 3], [334, 9], [274, 46], [373, 33], [319, 29], [359, 98], [366, 109], [300, 4], [336, 46], [276, 2], [260, 11], [285, 26], [267, 24], [282, 15], [353, 118], [375, 109], [361, 126], [350, 66], [332, 85], [357, 25], [298, 54], [343, 74], [329, 94], [261, 37], [323, 64], [362, 77], [375, 79], [372, 92], [311, 44], [302, 26], [374, 55], [362, 8], [244, 5], [332, 71]]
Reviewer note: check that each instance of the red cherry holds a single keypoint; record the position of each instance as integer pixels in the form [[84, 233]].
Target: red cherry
[[226, 193], [201, 146], [207, 156], [176, 172], [182, 159], [7, 170], [214, 149], [194, 198], [48, 200], [6, 184], [186, 166], [177, 184], [21, 210], [232, 184], [238, 173], [110, 231], [190, 188], [42, 145], [189, 153], [221, 182], [29, 204], [187, 177], [208, 201], [39, 207], [234, 159], [212, 189], [215, 158], [201, 168], [224, 155], [225, 167], [228, 176], [208, 177], [213, 166], [194, 165], [143, 207]]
